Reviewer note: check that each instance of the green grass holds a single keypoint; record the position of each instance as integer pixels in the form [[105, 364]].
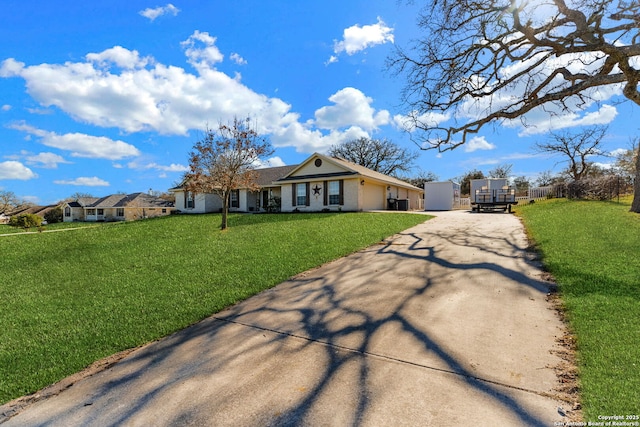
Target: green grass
[[593, 251], [70, 298], [6, 229]]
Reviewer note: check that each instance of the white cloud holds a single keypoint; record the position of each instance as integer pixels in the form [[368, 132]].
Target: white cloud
[[166, 99], [307, 140], [618, 152], [173, 167], [352, 108], [153, 13], [93, 181], [478, 143], [11, 68], [541, 122], [573, 112], [238, 59], [357, 38], [5, 107], [15, 170], [82, 145], [275, 162], [331, 60], [202, 57], [410, 121], [122, 89], [46, 160], [124, 58]]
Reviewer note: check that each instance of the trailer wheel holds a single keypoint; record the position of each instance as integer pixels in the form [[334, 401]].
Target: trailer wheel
[[509, 208]]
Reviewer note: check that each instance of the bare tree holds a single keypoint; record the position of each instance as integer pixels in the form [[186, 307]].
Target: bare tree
[[8, 201], [496, 60], [225, 160], [576, 148], [418, 179], [383, 156], [522, 184], [501, 171]]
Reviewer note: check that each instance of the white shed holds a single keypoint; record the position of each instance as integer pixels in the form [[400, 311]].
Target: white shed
[[441, 196]]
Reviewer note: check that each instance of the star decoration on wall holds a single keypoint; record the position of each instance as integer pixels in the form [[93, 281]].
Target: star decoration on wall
[[316, 190]]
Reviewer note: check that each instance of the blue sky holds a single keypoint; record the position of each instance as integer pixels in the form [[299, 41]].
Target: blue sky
[[106, 97]]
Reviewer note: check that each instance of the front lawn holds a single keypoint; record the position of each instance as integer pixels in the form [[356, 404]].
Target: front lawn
[[593, 251], [73, 297]]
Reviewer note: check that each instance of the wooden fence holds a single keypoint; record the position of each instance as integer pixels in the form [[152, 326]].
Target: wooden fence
[[536, 193]]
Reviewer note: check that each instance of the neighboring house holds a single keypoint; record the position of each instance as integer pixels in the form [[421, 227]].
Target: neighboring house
[[4, 218], [241, 200], [319, 183], [116, 207], [28, 209]]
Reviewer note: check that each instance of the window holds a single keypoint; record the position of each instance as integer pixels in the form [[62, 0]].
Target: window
[[91, 211], [235, 198], [301, 194], [100, 211], [67, 211], [189, 200], [334, 192], [164, 211], [120, 212]]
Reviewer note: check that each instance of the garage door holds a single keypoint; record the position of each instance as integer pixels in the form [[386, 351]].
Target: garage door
[[374, 197]]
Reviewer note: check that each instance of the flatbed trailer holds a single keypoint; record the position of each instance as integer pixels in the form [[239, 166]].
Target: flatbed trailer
[[492, 194]]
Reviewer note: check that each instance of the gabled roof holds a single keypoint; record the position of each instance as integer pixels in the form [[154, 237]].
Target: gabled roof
[[31, 209], [139, 200], [265, 176], [349, 170]]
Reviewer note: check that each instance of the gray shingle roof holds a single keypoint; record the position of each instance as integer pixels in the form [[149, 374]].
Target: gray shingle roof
[[122, 201]]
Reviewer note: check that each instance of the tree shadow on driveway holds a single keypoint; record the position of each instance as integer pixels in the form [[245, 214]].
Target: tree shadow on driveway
[[396, 334]]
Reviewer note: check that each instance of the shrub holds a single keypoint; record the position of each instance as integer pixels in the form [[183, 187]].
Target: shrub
[[54, 215], [603, 187], [25, 221]]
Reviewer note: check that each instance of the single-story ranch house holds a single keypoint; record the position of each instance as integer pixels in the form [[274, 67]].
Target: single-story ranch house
[[319, 183], [116, 207]]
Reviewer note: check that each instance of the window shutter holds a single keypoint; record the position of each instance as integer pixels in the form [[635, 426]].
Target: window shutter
[[325, 190], [341, 194], [294, 193], [308, 198]]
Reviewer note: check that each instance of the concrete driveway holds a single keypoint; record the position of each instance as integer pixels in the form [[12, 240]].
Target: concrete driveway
[[445, 324]]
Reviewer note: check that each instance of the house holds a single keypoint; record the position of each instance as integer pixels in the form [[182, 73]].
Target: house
[[116, 207], [26, 209], [266, 198], [330, 183], [319, 183], [4, 218]]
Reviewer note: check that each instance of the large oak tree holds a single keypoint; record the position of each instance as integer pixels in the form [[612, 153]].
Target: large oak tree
[[497, 60], [380, 155]]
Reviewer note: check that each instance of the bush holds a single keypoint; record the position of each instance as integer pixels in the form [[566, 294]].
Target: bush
[[25, 221], [54, 215], [603, 187]]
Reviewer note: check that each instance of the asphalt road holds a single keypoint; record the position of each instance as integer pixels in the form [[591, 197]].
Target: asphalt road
[[445, 324]]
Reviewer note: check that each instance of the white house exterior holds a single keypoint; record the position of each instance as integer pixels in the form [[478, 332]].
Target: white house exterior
[[242, 200], [320, 183], [329, 183]]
